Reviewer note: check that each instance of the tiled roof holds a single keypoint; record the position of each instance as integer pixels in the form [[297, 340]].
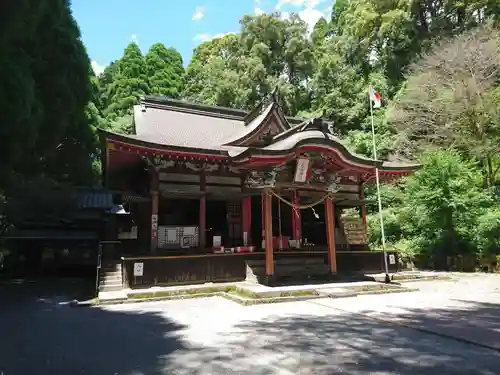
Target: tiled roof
[[178, 128], [93, 198], [166, 122], [178, 123]]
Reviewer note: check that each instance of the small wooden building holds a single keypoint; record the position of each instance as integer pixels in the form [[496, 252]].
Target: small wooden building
[[218, 194]]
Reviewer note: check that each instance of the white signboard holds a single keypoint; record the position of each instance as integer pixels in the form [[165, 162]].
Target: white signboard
[[392, 259], [217, 241], [138, 269], [301, 170]]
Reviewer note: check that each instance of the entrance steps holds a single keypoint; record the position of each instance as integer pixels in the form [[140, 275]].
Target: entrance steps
[[110, 277], [300, 269]]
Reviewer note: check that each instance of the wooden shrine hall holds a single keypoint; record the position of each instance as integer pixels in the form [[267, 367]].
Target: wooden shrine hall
[[218, 194]]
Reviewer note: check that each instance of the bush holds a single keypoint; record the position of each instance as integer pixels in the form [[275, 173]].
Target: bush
[[487, 233]]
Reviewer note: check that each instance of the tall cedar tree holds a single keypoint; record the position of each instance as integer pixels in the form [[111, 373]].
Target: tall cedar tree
[[44, 88]]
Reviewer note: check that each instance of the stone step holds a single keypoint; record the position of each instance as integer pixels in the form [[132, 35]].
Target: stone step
[[111, 266], [302, 272], [111, 284], [301, 261], [108, 279], [110, 272], [104, 275], [110, 288], [318, 269]]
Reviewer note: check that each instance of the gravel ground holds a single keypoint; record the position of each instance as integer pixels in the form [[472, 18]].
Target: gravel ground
[[43, 335]]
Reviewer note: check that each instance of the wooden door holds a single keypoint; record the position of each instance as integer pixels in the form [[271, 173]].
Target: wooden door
[[234, 224]]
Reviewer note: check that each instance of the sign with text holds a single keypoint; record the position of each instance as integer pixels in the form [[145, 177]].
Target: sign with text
[[355, 231], [392, 259], [302, 170], [138, 269]]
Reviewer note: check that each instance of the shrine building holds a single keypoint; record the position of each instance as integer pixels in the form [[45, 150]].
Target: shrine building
[[216, 194]]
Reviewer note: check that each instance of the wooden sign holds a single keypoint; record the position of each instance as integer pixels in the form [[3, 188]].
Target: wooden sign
[[301, 170], [355, 231]]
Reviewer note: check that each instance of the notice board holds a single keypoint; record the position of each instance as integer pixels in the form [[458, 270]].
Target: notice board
[[355, 231]]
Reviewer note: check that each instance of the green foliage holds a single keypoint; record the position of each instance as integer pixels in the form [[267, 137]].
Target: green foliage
[[44, 90], [160, 72], [436, 64], [164, 71], [487, 232], [238, 70]]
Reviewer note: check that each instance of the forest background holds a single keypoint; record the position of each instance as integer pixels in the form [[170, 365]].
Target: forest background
[[436, 64]]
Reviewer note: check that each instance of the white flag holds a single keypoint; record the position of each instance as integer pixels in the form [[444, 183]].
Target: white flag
[[375, 97]]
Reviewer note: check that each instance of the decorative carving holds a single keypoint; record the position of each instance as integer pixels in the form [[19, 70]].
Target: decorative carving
[[211, 167], [317, 176], [261, 180], [352, 178], [192, 166], [333, 182], [161, 162], [233, 169]]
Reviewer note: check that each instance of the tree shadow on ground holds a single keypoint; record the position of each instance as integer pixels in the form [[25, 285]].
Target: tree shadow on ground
[[478, 322], [41, 334], [336, 343]]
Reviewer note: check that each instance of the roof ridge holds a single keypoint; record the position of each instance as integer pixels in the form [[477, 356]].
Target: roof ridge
[[194, 111], [161, 102], [174, 104]]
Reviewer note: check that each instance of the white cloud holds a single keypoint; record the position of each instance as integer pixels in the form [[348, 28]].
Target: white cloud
[[198, 14], [98, 69], [310, 16], [285, 15], [306, 9], [202, 37], [298, 3], [258, 11], [207, 37]]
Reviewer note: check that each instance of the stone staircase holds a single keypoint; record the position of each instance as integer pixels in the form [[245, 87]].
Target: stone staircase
[[110, 276], [290, 270]]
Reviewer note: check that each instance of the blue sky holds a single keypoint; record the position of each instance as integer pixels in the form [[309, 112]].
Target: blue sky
[[107, 26]]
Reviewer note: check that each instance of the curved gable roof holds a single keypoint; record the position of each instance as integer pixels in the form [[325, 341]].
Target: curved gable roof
[[307, 140]]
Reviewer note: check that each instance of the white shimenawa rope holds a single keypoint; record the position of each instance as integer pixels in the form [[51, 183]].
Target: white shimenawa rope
[[299, 206]]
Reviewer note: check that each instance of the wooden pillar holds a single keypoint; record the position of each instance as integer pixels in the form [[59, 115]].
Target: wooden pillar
[[330, 234], [246, 207], [363, 205], [202, 235], [268, 234], [263, 220], [296, 218], [202, 228]]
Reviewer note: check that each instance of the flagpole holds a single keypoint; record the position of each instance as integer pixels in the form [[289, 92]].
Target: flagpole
[[377, 179]]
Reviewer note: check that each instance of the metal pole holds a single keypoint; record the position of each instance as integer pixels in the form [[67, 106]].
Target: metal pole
[[377, 179]]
